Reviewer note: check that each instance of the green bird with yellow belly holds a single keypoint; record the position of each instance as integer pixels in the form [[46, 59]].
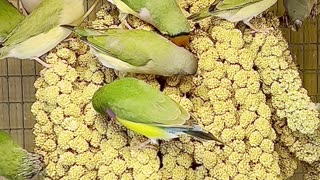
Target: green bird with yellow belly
[[235, 11], [145, 110]]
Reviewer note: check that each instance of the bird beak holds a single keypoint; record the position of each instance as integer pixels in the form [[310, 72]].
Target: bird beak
[[182, 40], [297, 24]]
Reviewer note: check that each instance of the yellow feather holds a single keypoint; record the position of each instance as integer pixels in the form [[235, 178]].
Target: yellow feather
[[147, 130]]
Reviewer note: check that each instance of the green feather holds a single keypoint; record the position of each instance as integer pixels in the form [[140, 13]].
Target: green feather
[[233, 10], [122, 43], [39, 32], [138, 51], [10, 17], [234, 4], [166, 15], [135, 5], [134, 100], [145, 110], [41, 20]]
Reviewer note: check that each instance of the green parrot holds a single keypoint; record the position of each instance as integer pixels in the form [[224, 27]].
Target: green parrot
[[10, 17], [30, 5], [138, 51], [39, 32], [145, 110], [15, 162], [165, 15], [235, 11], [298, 11]]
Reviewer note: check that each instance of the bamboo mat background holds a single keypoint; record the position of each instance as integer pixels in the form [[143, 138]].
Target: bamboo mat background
[[17, 77]]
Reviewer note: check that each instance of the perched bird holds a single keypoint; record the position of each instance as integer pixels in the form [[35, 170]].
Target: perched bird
[[165, 15], [10, 17], [235, 11], [16, 162], [145, 110], [30, 5], [298, 11], [39, 32], [138, 51]]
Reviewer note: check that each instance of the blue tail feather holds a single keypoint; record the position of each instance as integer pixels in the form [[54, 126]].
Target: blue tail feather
[[195, 131]]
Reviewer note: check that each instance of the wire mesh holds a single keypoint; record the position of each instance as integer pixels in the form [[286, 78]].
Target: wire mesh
[[17, 92]]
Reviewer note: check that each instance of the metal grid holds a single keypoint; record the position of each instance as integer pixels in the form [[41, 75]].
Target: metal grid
[[304, 47], [17, 92], [17, 96]]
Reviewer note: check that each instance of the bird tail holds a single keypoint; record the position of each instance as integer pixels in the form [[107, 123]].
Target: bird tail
[[195, 131], [207, 12], [199, 133], [3, 52]]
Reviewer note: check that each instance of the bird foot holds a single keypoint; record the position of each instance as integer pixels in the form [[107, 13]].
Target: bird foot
[[145, 145], [124, 22], [21, 8], [315, 106], [263, 30], [46, 65], [69, 39], [255, 30], [314, 11], [284, 20]]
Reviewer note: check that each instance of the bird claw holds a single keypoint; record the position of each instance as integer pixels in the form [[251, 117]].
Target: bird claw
[[314, 11], [46, 65], [255, 30], [145, 145], [284, 20], [127, 25], [263, 30], [122, 18], [21, 8], [69, 39]]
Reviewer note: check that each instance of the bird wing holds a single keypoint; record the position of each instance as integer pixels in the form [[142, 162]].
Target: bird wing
[[157, 110], [141, 103], [233, 4], [10, 17], [124, 45], [42, 20]]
